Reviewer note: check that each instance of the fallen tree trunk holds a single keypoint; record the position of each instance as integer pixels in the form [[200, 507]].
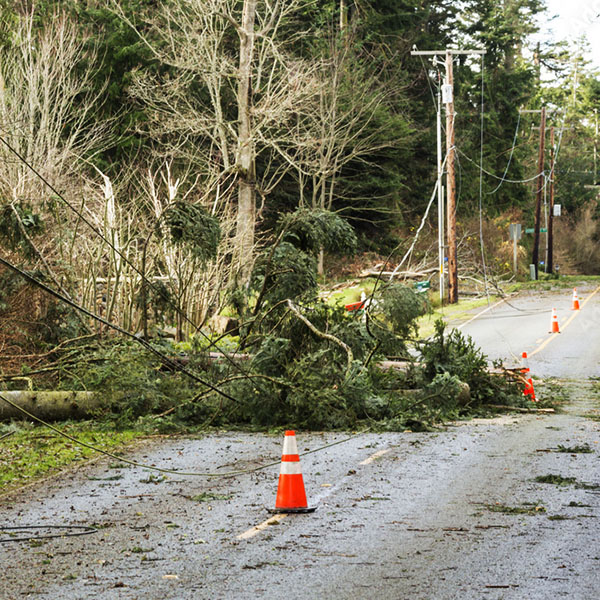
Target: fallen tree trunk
[[397, 365], [520, 408], [49, 406], [400, 274], [54, 406]]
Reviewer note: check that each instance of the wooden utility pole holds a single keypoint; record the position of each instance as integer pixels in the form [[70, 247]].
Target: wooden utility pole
[[440, 194], [448, 99], [550, 259], [540, 192]]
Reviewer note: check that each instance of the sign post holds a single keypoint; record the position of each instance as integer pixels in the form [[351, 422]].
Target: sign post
[[515, 232]]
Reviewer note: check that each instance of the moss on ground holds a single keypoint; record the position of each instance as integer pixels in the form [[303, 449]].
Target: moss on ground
[[28, 453]]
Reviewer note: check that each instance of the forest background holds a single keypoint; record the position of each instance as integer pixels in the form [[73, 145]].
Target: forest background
[[167, 163]]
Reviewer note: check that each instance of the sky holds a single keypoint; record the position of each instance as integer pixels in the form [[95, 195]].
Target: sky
[[575, 18]]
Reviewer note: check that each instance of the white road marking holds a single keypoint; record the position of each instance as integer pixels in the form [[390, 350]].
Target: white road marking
[[279, 517], [480, 313], [258, 528], [374, 457]]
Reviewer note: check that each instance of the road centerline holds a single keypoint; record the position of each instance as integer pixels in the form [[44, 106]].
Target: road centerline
[[250, 533], [569, 320], [374, 457], [253, 531], [481, 313]]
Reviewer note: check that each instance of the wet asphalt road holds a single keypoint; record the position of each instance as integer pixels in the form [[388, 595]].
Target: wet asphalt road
[[522, 324], [450, 514]]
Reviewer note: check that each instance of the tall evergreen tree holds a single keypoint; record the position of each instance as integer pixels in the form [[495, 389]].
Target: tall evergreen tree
[[508, 83]]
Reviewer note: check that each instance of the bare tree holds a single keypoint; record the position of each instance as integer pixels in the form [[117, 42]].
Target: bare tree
[[231, 85], [46, 108], [195, 290], [337, 124], [47, 116]]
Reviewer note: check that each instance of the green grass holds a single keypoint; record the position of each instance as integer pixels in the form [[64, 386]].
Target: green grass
[[28, 452], [563, 282], [352, 293], [464, 309], [461, 311]]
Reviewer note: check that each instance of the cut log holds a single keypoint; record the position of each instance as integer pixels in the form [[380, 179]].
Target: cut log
[[521, 408], [397, 365], [49, 406], [399, 275]]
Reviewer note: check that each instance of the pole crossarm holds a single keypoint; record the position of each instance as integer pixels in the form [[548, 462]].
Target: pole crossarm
[[449, 51]]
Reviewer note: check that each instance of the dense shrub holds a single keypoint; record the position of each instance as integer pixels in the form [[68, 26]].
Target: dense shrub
[[456, 355]]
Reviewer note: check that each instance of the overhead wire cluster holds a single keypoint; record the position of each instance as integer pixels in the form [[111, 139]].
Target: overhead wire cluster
[[502, 179], [62, 297]]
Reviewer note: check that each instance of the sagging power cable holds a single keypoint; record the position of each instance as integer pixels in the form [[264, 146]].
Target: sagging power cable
[[512, 150], [66, 531], [479, 166], [161, 469]]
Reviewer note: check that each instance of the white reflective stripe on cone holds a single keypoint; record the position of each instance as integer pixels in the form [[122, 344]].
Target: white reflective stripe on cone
[[290, 468], [289, 445]]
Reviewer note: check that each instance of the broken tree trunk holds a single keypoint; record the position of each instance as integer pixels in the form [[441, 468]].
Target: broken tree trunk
[[49, 406]]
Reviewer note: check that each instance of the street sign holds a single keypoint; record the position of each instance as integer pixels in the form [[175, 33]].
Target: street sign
[[543, 230], [530, 230], [557, 208], [514, 230]]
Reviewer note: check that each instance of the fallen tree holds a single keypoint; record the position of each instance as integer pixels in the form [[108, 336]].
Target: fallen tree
[[52, 406]]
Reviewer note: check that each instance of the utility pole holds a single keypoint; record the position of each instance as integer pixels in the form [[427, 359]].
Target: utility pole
[[550, 259], [541, 188], [440, 193], [540, 192], [448, 99]]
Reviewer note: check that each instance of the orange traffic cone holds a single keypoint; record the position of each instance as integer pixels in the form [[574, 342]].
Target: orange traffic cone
[[528, 391], [575, 300], [291, 497], [554, 323]]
